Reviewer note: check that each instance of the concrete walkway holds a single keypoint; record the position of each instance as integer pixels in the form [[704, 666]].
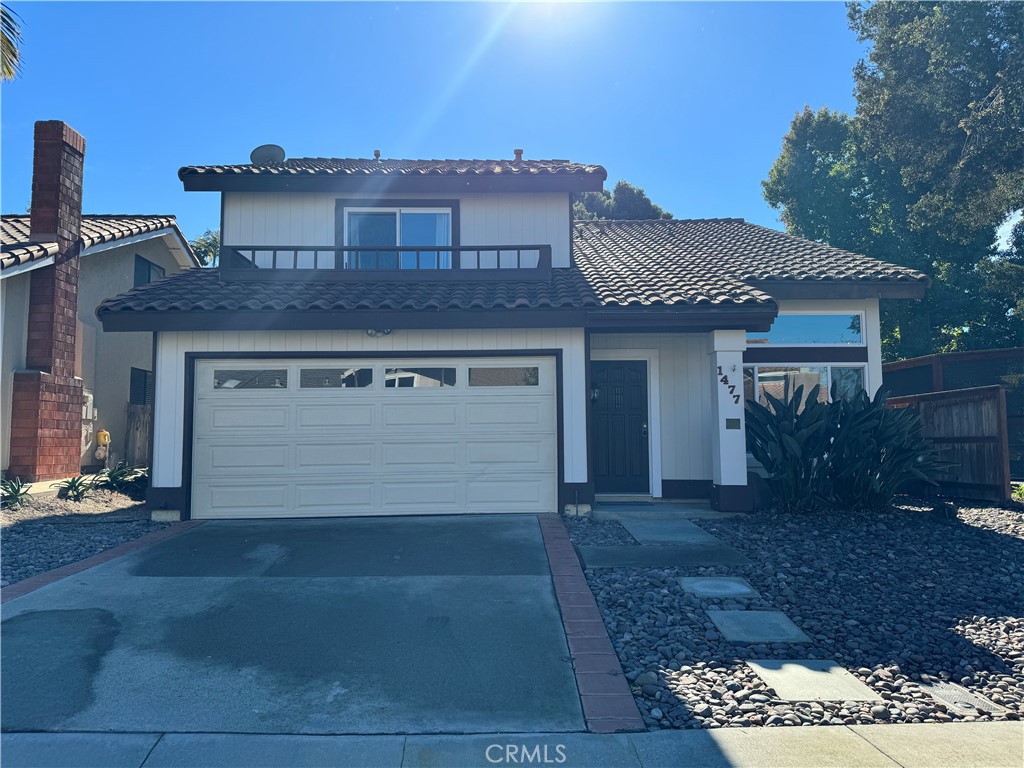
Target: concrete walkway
[[950, 745]]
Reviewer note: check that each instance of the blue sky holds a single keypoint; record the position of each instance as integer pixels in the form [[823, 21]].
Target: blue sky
[[689, 101]]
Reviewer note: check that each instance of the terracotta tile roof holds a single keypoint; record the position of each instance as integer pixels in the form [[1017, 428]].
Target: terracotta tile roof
[[18, 247], [713, 263], [354, 166]]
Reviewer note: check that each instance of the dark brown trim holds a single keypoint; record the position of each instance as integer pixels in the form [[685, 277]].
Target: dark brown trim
[[576, 493], [183, 493], [590, 416], [842, 289], [167, 498], [766, 354], [732, 498], [685, 489], [378, 185], [611, 320]]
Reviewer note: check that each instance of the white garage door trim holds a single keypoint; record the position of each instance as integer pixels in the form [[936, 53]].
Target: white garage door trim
[[293, 443]]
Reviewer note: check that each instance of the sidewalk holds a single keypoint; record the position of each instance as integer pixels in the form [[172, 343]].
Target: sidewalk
[[949, 745]]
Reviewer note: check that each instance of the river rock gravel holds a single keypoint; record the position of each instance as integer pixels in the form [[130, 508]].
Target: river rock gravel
[[587, 532], [899, 599], [49, 532]]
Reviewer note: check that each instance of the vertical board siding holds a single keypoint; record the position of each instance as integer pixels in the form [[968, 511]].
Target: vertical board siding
[[169, 407], [307, 219], [685, 398]]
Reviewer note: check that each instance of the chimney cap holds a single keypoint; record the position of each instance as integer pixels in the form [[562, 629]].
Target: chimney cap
[[267, 154], [376, 154], [519, 155]]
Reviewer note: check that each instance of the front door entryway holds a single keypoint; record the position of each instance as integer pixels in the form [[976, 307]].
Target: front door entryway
[[620, 426]]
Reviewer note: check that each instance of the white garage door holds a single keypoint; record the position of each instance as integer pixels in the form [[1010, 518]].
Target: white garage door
[[304, 438]]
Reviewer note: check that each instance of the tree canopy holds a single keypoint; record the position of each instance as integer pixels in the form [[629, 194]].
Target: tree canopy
[[10, 43], [625, 201], [207, 247], [924, 172]]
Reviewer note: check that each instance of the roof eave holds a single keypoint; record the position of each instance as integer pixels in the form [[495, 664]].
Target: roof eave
[[688, 319], [842, 289], [557, 182]]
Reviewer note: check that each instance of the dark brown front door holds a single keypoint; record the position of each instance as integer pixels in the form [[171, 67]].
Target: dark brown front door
[[619, 421]]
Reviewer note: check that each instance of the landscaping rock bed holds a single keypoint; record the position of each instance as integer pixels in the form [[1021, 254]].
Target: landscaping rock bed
[[50, 532], [898, 599], [587, 532]]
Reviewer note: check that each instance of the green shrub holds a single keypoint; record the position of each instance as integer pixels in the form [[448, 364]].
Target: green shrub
[[791, 443], [875, 451], [124, 478], [850, 453], [76, 488], [14, 493]]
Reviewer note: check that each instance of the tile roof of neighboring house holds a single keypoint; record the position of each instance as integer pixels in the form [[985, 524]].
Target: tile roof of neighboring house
[[18, 247], [713, 263], [354, 166]]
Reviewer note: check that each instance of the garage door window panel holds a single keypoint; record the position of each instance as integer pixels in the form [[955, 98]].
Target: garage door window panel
[[265, 378], [519, 376], [335, 378], [426, 378]]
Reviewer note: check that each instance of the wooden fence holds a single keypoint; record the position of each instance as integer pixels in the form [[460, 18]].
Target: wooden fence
[[138, 444], [968, 427]]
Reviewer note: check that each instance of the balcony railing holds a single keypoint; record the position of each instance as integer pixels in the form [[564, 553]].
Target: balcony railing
[[386, 263]]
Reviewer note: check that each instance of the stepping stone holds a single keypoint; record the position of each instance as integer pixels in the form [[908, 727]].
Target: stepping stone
[[717, 586], [680, 556], [671, 531], [811, 680], [750, 627]]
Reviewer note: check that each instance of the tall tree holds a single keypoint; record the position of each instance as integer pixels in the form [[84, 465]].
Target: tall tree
[[206, 247], [909, 179], [626, 201], [10, 43]]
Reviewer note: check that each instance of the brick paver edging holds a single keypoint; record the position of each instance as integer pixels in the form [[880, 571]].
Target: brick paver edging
[[32, 583], [608, 704]]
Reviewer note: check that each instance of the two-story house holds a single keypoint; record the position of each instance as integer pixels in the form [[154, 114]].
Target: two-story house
[[439, 336]]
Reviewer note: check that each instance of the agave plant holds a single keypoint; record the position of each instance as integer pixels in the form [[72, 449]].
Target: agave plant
[[14, 493], [124, 478], [77, 488]]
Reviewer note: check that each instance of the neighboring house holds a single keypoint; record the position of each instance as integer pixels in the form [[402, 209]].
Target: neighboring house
[[424, 336], [64, 379]]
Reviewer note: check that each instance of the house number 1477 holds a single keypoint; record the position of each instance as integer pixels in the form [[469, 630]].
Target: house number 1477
[[723, 379]]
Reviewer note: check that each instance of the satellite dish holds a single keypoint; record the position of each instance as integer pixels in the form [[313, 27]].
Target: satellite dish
[[267, 154]]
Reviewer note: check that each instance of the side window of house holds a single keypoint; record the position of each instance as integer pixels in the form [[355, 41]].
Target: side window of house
[[146, 271], [414, 230], [140, 390]]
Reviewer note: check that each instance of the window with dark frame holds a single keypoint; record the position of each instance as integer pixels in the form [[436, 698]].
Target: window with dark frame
[[140, 388], [146, 271]]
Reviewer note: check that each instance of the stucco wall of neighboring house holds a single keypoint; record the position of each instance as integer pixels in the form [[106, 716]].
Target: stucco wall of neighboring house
[[14, 332], [684, 396], [169, 410], [106, 359], [308, 219]]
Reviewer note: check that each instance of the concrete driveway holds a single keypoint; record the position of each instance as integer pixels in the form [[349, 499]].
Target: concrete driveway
[[370, 625]]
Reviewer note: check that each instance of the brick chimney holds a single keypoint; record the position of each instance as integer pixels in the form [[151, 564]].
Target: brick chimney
[[46, 413]]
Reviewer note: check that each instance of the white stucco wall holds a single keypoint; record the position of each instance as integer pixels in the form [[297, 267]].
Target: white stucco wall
[[308, 219], [14, 310], [169, 411]]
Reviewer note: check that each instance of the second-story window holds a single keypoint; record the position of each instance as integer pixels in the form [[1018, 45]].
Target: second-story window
[[373, 229], [146, 271]]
